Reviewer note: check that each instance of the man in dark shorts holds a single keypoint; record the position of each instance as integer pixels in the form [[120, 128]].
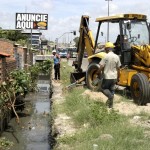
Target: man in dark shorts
[[56, 65], [110, 67]]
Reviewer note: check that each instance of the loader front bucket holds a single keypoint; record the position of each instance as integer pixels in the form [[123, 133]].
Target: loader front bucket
[[75, 76]]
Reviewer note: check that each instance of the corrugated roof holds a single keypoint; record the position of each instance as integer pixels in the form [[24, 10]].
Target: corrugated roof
[[4, 54]]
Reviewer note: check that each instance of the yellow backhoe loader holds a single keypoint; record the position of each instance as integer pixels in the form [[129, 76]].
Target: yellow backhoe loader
[[132, 45]]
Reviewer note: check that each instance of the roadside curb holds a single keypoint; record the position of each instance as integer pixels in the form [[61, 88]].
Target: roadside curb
[[62, 124]]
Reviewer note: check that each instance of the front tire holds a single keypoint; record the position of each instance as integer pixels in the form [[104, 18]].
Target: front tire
[[140, 89], [91, 76]]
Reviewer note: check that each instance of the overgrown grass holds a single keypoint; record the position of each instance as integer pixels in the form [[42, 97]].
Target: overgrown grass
[[97, 125], [86, 111], [123, 138], [65, 73]]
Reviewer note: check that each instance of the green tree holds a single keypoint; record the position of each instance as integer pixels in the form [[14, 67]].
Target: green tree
[[76, 40], [13, 35]]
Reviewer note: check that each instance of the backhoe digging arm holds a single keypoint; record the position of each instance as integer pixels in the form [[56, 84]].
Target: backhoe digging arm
[[86, 42]]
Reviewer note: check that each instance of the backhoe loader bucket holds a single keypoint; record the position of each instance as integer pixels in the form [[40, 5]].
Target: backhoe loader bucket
[[76, 76]]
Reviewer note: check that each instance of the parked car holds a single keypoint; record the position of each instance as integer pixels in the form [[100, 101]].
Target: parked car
[[72, 51], [63, 53]]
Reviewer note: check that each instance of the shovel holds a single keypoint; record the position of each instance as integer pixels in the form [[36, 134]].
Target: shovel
[[75, 83]]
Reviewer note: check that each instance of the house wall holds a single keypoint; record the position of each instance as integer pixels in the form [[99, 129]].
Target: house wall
[[18, 58]]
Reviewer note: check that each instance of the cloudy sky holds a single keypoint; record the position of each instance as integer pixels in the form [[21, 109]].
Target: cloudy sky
[[64, 15]]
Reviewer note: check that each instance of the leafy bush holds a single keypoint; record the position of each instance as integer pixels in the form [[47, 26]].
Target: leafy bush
[[45, 66], [5, 144], [20, 82]]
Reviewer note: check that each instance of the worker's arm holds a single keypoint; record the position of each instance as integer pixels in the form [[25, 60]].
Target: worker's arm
[[118, 69], [102, 64], [118, 74], [58, 56], [100, 69]]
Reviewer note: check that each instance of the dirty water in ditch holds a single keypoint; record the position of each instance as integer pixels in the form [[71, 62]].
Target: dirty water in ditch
[[33, 132]]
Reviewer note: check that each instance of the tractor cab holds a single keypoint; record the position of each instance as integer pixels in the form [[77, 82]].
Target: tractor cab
[[127, 30]]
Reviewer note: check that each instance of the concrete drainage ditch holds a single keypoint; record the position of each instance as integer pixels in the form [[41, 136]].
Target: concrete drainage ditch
[[34, 130]]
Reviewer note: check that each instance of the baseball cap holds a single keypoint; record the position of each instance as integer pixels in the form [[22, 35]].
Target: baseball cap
[[54, 51]]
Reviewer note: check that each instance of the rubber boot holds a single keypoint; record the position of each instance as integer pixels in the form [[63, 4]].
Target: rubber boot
[[109, 103]]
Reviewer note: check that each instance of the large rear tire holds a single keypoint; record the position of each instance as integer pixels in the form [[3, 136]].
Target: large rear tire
[[91, 76], [140, 89]]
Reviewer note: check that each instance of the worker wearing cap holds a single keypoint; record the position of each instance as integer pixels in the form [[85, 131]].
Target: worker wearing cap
[[56, 59], [110, 67]]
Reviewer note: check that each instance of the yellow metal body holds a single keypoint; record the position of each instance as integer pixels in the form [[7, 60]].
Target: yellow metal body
[[142, 56], [89, 43], [86, 43], [97, 55], [122, 16], [142, 53], [125, 76], [142, 69]]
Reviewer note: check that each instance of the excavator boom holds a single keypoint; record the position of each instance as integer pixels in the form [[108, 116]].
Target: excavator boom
[[86, 42]]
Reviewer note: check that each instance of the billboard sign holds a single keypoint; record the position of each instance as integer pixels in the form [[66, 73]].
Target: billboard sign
[[31, 21]]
